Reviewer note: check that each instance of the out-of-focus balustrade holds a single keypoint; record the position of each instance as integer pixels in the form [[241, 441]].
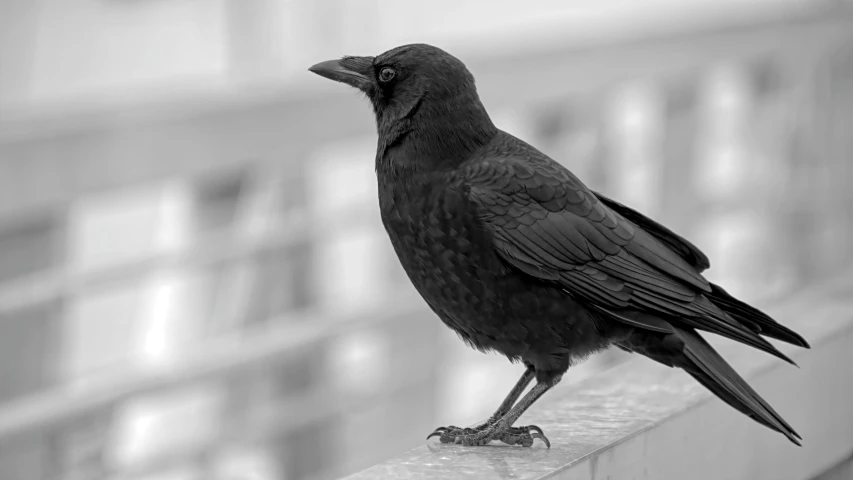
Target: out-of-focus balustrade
[[179, 295]]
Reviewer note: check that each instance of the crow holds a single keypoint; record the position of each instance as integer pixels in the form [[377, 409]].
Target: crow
[[517, 256]]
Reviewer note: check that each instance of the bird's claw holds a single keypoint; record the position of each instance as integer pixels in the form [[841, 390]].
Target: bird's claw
[[523, 436]]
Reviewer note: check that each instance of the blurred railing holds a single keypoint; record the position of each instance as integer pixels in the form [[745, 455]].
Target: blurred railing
[[632, 117]]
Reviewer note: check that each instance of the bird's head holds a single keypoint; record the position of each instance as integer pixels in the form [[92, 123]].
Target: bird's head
[[419, 92]]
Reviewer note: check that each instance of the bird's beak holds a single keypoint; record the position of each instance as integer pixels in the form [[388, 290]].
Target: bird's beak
[[349, 70]]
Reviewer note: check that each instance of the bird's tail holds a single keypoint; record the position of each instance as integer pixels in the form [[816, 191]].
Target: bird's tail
[[752, 318], [704, 364]]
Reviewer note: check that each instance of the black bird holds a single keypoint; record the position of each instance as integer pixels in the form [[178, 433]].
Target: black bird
[[517, 256]]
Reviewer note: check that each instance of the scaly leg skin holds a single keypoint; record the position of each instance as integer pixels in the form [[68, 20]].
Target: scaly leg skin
[[503, 430], [448, 434]]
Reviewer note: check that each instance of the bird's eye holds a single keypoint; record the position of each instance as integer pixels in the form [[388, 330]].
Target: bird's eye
[[387, 74]]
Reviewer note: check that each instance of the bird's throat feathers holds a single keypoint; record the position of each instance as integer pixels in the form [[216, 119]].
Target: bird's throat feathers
[[426, 132]]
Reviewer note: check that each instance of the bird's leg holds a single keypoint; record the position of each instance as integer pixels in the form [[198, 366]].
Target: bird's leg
[[511, 397], [451, 432], [503, 430]]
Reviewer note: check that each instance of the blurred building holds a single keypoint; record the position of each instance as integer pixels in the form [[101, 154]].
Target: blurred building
[[194, 283]]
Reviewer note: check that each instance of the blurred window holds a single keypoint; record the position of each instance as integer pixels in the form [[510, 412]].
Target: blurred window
[[29, 340], [154, 430], [351, 252], [28, 246]]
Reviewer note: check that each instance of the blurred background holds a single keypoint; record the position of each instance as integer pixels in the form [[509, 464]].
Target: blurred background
[[194, 281]]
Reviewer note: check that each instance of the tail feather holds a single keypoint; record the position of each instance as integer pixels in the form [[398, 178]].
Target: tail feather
[[712, 371], [753, 318]]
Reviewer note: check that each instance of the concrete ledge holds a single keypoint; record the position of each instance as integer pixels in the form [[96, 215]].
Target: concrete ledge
[[644, 421]]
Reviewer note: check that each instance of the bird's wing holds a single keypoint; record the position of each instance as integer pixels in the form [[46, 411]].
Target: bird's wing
[[686, 250], [755, 319], [544, 222]]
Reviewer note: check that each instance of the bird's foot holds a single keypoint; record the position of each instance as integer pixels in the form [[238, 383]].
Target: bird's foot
[[485, 434]]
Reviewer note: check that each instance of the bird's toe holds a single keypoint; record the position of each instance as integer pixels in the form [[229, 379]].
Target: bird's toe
[[461, 436], [523, 436], [446, 434], [450, 433]]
